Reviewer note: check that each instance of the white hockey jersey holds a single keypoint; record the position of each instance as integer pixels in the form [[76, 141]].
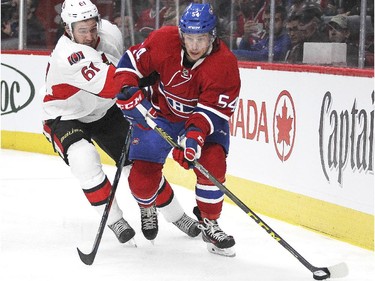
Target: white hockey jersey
[[79, 81]]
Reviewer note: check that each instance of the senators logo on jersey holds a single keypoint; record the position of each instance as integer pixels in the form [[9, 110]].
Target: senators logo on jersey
[[75, 57]]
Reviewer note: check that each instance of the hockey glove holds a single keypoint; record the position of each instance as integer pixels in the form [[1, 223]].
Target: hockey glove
[[192, 144], [128, 100]]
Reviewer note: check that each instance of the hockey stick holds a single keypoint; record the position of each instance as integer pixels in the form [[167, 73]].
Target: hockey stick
[[319, 273], [89, 258]]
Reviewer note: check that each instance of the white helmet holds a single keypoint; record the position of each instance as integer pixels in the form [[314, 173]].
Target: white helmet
[[78, 10]]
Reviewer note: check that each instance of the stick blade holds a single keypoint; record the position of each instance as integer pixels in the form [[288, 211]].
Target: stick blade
[[336, 271], [87, 259]]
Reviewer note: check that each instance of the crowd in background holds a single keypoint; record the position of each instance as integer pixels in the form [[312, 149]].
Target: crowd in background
[[243, 25]]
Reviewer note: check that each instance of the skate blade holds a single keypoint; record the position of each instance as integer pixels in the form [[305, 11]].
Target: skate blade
[[228, 252], [132, 242]]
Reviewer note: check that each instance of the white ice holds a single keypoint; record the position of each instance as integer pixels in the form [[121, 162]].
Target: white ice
[[44, 216]]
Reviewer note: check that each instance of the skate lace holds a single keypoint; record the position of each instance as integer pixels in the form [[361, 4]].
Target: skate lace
[[119, 226], [211, 228], [184, 223], [148, 218]]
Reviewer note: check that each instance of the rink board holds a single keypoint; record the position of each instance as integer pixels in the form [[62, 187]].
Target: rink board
[[301, 144]]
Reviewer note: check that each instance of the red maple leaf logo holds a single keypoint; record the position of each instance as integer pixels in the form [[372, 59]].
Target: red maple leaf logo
[[284, 125]]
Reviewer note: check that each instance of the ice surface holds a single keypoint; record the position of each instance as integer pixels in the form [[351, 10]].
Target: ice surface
[[44, 216]]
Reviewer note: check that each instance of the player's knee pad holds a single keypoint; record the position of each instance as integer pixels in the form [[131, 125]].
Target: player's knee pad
[[144, 181], [84, 162]]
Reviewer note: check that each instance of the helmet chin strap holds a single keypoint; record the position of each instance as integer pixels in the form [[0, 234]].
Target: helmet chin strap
[[72, 37], [69, 30], [212, 40]]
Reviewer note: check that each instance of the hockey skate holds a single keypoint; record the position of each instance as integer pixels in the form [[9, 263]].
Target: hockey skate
[[123, 231], [149, 221], [188, 225], [218, 242]]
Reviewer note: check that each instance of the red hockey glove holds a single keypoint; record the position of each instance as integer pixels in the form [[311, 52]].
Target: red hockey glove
[[128, 100], [192, 144]]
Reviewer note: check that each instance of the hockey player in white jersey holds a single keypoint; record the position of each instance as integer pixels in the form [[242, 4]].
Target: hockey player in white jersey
[[79, 106]]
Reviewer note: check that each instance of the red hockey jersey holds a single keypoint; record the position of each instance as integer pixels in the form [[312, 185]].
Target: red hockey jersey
[[209, 88]]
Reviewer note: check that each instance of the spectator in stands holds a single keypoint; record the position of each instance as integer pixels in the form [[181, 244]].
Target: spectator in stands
[[147, 19], [171, 17], [117, 20], [310, 22], [36, 33], [281, 43], [228, 24], [330, 8], [338, 32], [309, 30], [295, 53], [250, 24], [6, 28], [48, 12], [295, 7], [8, 35], [254, 9]]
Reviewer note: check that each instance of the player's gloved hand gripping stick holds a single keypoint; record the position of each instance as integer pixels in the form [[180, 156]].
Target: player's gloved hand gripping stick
[[319, 273], [127, 101], [191, 143]]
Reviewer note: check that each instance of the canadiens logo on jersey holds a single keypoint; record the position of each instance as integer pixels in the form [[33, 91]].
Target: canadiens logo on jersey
[[180, 106], [75, 57]]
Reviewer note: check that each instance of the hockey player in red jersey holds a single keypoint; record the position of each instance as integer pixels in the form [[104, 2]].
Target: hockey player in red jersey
[[79, 105], [195, 96]]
